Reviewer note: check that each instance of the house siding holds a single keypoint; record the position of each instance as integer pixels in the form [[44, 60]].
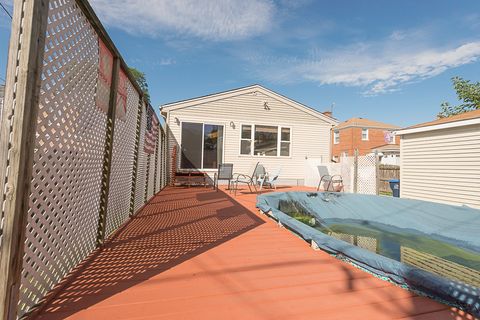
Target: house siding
[[310, 136], [442, 166]]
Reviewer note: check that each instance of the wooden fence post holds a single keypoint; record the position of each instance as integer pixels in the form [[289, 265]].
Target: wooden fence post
[[147, 173], [107, 157], [135, 157], [355, 171], [165, 159], [17, 142], [377, 173], [157, 150]]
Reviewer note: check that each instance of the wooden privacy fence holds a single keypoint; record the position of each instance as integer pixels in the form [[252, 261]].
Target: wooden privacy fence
[[81, 149], [387, 172]]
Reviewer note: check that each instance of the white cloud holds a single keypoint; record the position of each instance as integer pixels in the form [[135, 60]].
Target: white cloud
[[378, 68], [206, 19], [398, 35], [167, 61]]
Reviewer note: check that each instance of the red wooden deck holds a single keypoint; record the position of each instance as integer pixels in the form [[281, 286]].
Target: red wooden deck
[[199, 254]]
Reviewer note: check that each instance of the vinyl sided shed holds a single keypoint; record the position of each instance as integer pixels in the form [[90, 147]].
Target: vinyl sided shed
[[246, 125], [440, 160]]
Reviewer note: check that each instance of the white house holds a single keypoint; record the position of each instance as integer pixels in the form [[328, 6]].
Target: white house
[[246, 125], [440, 160]]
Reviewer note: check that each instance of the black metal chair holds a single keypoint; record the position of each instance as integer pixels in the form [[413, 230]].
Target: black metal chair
[[225, 172]]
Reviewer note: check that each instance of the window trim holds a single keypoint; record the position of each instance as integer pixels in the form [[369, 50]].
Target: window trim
[[203, 123], [252, 140], [336, 134], [366, 129], [252, 128]]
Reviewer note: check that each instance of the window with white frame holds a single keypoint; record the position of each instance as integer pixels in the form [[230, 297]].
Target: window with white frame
[[365, 134], [336, 137], [246, 140], [285, 142], [264, 140]]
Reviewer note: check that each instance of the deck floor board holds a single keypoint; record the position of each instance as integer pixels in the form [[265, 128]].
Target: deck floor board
[[193, 253]]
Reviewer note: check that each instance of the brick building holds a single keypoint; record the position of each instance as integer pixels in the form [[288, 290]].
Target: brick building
[[362, 134]]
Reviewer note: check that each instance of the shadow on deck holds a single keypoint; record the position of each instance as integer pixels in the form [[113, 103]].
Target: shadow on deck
[[193, 253], [174, 226]]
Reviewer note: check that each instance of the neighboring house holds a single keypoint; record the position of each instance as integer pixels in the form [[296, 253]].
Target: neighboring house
[[361, 134], [246, 125], [389, 153], [441, 160]]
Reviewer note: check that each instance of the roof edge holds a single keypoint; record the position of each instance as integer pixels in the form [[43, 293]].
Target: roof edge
[[238, 91], [369, 127], [446, 125]]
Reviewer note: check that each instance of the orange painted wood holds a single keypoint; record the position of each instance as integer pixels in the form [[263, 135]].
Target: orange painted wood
[[193, 253]]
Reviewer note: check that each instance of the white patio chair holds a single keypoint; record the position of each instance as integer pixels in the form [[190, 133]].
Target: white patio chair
[[270, 179]]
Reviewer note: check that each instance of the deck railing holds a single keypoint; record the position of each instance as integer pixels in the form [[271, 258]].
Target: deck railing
[[81, 149]]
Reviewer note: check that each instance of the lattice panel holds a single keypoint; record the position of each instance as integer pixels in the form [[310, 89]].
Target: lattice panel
[[440, 266], [151, 176], [122, 164], [164, 161], [346, 169], [367, 182], [342, 236], [69, 149], [368, 243], [142, 165], [158, 162]]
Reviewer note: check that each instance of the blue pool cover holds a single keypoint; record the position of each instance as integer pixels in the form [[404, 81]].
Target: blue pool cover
[[458, 227]]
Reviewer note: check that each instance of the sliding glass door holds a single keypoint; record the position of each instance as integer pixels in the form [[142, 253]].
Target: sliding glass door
[[202, 145]]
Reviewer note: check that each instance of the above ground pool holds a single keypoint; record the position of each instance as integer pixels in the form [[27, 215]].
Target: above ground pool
[[430, 248]]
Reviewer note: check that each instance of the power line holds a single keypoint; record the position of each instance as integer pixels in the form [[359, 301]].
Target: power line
[[6, 11]]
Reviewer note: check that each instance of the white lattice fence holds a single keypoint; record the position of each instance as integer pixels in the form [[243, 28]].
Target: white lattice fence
[[158, 164], [163, 159], [346, 169], [82, 180], [69, 153], [366, 176], [141, 165], [151, 177], [121, 176]]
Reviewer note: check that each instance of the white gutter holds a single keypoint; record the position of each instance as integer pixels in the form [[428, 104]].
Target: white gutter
[[448, 125]]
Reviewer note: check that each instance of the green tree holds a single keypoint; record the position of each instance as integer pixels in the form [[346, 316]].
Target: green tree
[[468, 93], [141, 81]]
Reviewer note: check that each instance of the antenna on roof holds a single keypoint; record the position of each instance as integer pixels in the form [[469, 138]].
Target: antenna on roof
[[331, 107]]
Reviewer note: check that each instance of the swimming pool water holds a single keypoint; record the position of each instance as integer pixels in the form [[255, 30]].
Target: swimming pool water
[[400, 244]]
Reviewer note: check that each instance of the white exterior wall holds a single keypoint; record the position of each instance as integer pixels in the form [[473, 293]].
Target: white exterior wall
[[310, 135], [442, 166]]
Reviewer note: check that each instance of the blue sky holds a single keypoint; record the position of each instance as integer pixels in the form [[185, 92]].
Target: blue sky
[[386, 60]]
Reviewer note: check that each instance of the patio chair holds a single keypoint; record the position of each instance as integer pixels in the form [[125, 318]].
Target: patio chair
[[249, 180], [225, 172], [269, 179], [333, 183]]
